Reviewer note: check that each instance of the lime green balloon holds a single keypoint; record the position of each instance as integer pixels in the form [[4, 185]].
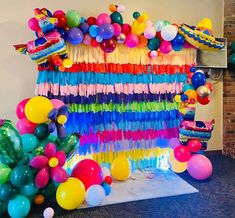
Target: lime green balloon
[[5, 172], [73, 18], [7, 191], [21, 175]]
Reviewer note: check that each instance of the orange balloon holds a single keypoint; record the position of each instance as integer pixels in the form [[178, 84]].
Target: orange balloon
[[192, 94], [112, 8], [39, 199], [142, 42]]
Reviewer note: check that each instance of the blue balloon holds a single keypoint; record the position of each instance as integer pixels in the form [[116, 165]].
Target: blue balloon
[[184, 97], [177, 47], [84, 27], [75, 36], [193, 69], [106, 31], [63, 33], [83, 19], [19, 206], [107, 188], [198, 79], [187, 87], [93, 30], [29, 142], [29, 190], [178, 40]]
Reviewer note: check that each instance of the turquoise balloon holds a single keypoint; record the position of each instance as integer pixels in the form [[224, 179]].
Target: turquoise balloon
[[19, 206], [116, 17], [29, 190], [7, 191], [187, 87], [153, 44], [73, 18], [29, 142], [21, 176], [3, 208]]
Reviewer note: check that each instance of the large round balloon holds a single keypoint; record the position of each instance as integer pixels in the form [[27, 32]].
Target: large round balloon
[[169, 32], [198, 79], [75, 36], [5, 172], [120, 168], [20, 108], [95, 195], [37, 109], [103, 18], [131, 40], [70, 194], [73, 18], [89, 172], [175, 165], [108, 45], [106, 31], [182, 153], [153, 44], [21, 175], [19, 206], [199, 167], [29, 142], [165, 47]]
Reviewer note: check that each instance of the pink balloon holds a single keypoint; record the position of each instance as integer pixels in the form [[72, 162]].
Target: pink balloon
[[150, 32], [165, 47], [58, 12], [60, 155], [87, 39], [20, 113], [50, 150], [126, 28], [182, 153], [199, 167], [33, 24], [42, 178], [132, 40], [103, 18], [117, 29], [58, 174], [24, 126], [39, 162], [57, 103]]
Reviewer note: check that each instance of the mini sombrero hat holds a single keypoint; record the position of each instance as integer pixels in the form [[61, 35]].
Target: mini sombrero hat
[[201, 36]]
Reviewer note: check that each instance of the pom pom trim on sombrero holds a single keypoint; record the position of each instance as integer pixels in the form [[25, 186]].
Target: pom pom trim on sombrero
[[199, 39]]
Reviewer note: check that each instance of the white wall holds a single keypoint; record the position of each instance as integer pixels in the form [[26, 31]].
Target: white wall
[[18, 73]]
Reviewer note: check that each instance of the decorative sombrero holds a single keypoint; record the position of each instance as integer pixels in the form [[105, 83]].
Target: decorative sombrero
[[201, 36]]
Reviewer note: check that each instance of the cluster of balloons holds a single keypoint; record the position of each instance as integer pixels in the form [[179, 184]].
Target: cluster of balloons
[[106, 30], [89, 182], [186, 157], [31, 157], [197, 90]]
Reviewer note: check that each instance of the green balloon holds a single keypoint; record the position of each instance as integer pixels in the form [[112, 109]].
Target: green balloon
[[41, 131], [153, 44], [48, 191], [21, 176], [3, 208], [73, 18], [68, 144], [29, 142], [29, 190], [116, 17], [233, 47], [136, 14], [232, 58], [7, 191], [5, 172]]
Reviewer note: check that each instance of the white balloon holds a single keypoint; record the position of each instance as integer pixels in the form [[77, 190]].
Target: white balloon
[[48, 212], [95, 195], [106, 172], [169, 32], [149, 32]]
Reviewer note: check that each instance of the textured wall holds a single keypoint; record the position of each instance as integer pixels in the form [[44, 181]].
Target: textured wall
[[229, 84]]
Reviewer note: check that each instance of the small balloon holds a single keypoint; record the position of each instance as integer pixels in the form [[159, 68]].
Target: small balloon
[[182, 153], [29, 142], [203, 91], [120, 168], [194, 145], [93, 30], [20, 108], [165, 47], [116, 17], [33, 24], [48, 212], [95, 195]]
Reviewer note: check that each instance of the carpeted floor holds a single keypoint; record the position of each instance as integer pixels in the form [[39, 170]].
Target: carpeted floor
[[216, 198]]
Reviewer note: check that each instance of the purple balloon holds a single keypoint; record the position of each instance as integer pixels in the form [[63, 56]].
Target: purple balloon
[[199, 167], [173, 142], [75, 36], [84, 27], [106, 31]]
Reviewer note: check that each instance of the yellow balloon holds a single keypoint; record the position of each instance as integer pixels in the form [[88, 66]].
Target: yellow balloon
[[178, 98], [120, 168], [177, 166], [67, 63], [138, 27], [62, 119], [37, 109], [70, 194]]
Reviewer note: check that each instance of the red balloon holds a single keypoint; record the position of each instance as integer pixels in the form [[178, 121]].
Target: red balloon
[[126, 28], [91, 21], [209, 86], [194, 145], [108, 45], [159, 36], [203, 101], [182, 153], [20, 113], [61, 20], [108, 179], [94, 43], [89, 172]]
